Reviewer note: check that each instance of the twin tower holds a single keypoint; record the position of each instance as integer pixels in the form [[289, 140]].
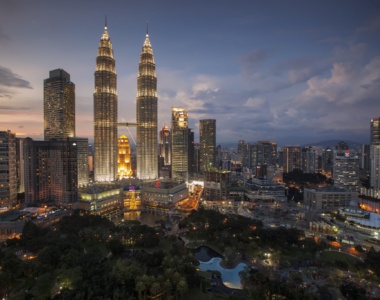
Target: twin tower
[[105, 113]]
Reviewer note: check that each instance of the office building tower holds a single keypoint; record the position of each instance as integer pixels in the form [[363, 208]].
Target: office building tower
[[55, 169], [346, 170], [20, 165], [375, 166], [292, 158], [59, 106], [146, 114], [124, 165], [165, 145], [308, 160], [327, 160], [207, 140], [365, 160], [375, 131], [8, 169], [217, 185], [105, 112], [191, 153], [180, 144]]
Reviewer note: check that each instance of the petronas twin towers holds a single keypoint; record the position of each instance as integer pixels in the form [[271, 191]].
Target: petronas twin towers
[[105, 113]]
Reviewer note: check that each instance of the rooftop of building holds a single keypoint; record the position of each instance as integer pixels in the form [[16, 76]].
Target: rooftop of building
[[11, 215], [330, 189], [98, 188]]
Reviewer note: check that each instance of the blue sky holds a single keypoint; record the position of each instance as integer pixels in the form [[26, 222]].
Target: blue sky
[[287, 71]]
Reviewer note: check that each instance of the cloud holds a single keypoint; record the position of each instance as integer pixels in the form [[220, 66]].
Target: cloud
[[372, 26], [250, 61], [4, 37], [10, 79]]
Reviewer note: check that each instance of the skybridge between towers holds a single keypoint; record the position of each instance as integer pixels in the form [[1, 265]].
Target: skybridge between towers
[[127, 125]]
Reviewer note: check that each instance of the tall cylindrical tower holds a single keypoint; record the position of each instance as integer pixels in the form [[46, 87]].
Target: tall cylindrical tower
[[105, 112], [146, 115]]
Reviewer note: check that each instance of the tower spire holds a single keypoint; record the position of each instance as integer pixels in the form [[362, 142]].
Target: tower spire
[[147, 28], [105, 21]]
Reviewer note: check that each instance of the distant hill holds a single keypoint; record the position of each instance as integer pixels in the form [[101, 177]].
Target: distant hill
[[333, 143]]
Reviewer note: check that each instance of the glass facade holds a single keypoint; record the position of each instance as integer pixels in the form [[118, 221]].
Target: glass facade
[[180, 144], [146, 115], [105, 112], [59, 106], [207, 140]]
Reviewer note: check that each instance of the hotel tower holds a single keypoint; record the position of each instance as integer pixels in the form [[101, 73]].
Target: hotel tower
[[105, 112], [59, 106], [146, 114]]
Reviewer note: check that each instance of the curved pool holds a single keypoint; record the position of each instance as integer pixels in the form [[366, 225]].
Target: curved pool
[[230, 277]]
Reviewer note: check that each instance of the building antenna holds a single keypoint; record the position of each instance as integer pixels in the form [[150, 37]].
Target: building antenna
[[105, 21], [147, 28]]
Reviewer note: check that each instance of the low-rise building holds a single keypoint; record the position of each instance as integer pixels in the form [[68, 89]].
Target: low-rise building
[[328, 197], [101, 199], [163, 193]]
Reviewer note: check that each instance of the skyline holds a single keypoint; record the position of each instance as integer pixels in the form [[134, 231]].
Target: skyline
[[296, 72]]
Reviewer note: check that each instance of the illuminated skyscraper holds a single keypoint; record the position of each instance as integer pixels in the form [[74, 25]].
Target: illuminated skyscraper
[[375, 131], [146, 115], [165, 145], [180, 144], [8, 169], [105, 112], [124, 165], [207, 140], [292, 158], [59, 106]]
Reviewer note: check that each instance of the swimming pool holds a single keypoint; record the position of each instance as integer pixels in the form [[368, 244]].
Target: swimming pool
[[230, 277]]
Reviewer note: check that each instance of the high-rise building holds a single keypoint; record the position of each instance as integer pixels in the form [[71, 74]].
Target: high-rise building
[[55, 169], [365, 160], [105, 112], [292, 158], [375, 166], [308, 159], [165, 145], [124, 165], [216, 185], [59, 106], [180, 144], [207, 140], [327, 160], [375, 131], [269, 153], [8, 169], [346, 170], [146, 114]]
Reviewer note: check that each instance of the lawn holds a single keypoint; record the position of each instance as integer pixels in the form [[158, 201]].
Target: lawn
[[331, 257]]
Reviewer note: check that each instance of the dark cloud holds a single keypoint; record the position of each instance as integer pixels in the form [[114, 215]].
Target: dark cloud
[[7, 107], [10, 79], [4, 37], [250, 60]]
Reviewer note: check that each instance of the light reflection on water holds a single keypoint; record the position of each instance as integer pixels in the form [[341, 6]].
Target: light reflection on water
[[230, 277]]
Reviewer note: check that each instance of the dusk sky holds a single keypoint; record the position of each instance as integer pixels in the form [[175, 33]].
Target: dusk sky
[[293, 72]]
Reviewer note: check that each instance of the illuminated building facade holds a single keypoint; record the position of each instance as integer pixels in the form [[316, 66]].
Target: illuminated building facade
[[124, 165], [105, 199], [54, 170], [146, 115], [346, 170], [8, 169], [59, 106], [180, 144], [216, 185], [165, 145], [105, 112], [375, 131], [292, 158], [207, 141]]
